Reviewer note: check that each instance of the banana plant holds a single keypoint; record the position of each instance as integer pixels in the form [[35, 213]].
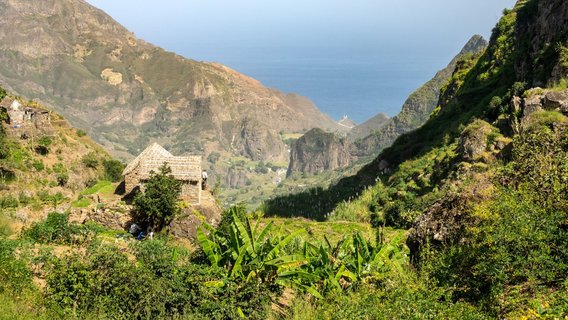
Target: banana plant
[[248, 253]]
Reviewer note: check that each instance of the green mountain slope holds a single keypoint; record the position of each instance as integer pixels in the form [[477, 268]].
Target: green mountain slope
[[370, 139]]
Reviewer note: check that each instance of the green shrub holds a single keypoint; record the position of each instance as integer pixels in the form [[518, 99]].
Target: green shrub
[[48, 198], [8, 202], [113, 170], [38, 165], [213, 157], [81, 133], [15, 275], [397, 301], [106, 283], [158, 204], [61, 174], [43, 144], [90, 160], [57, 229]]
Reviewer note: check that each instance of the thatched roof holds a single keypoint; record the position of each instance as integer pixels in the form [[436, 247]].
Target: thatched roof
[[151, 159], [6, 102], [154, 150]]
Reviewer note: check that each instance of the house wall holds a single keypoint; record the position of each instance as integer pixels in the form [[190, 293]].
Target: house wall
[[15, 117], [191, 192], [131, 181], [40, 119]]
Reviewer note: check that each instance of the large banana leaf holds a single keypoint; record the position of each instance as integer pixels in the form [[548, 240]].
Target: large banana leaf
[[208, 247], [288, 262], [262, 235], [280, 245], [237, 267], [244, 235]]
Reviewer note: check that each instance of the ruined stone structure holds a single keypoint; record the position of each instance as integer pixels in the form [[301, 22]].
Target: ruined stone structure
[[184, 169], [19, 115]]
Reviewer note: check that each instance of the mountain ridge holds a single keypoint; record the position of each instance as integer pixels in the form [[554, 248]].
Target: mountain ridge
[[99, 75]]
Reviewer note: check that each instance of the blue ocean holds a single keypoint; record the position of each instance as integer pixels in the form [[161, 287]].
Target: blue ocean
[[340, 82]]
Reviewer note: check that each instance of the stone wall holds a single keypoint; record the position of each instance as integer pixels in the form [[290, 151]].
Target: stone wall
[[191, 192]]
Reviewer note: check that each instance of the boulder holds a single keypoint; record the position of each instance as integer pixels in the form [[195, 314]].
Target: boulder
[[532, 104], [472, 144], [556, 100]]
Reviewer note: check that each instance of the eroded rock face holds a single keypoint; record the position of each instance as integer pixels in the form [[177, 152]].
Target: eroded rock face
[[318, 151], [544, 25], [236, 178], [256, 141], [126, 91]]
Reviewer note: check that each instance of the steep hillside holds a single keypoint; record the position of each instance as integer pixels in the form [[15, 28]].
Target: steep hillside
[[371, 137], [481, 186], [48, 166], [125, 92]]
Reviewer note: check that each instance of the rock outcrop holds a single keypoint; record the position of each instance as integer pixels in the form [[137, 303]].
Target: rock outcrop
[[236, 178], [318, 151], [186, 224], [252, 139], [368, 127]]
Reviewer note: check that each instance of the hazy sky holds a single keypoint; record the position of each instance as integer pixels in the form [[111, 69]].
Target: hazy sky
[[194, 28], [253, 36]]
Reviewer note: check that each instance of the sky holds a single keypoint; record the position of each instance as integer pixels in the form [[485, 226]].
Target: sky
[[254, 36]]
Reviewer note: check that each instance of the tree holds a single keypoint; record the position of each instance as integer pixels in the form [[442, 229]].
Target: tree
[[158, 202]]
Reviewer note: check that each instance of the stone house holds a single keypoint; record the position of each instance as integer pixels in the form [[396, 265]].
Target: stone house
[[19, 115], [184, 169]]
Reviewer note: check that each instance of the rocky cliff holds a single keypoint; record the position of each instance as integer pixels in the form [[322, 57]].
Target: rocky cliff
[[126, 92], [373, 136], [318, 151]]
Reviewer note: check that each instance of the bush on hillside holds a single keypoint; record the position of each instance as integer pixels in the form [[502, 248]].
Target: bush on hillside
[[106, 283], [15, 274], [90, 160], [113, 170], [57, 229]]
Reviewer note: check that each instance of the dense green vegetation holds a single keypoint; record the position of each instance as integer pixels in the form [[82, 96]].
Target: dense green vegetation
[[240, 272]]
